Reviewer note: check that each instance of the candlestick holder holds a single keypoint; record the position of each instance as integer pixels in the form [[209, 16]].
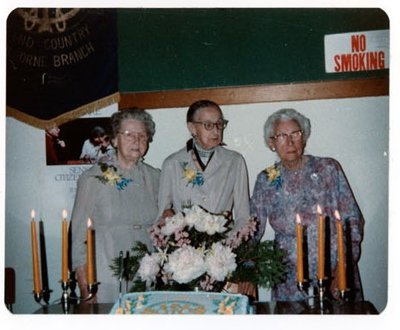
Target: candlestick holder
[[321, 294], [318, 300], [303, 287], [69, 297], [344, 295], [43, 296]]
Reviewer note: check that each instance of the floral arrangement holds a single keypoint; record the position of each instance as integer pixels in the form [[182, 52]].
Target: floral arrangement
[[111, 177], [274, 176], [193, 177], [196, 249]]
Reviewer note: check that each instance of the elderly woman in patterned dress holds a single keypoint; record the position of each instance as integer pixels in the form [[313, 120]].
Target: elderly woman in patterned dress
[[297, 184], [120, 195]]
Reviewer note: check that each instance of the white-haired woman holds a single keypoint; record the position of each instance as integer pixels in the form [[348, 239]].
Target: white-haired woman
[[296, 184], [120, 196]]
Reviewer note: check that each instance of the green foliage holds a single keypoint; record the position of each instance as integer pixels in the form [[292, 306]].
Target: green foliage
[[259, 263]]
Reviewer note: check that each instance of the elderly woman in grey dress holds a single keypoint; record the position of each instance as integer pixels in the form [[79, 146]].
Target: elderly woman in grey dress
[[120, 195], [204, 172]]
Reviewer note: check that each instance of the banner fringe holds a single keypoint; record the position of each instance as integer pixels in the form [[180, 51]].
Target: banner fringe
[[65, 117]]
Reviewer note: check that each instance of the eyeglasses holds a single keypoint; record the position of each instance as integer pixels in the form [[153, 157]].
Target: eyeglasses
[[209, 126], [283, 137], [129, 135]]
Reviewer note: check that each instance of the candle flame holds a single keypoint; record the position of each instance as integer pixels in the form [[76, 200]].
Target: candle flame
[[319, 210], [33, 214], [337, 215], [298, 219], [89, 223], [64, 214]]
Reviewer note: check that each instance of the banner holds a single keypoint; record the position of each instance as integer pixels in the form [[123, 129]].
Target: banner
[[61, 63]]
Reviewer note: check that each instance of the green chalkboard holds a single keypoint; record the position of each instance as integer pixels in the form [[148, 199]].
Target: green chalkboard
[[175, 49]]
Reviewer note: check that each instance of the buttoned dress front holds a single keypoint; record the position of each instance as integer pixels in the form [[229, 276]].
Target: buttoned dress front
[[120, 218]]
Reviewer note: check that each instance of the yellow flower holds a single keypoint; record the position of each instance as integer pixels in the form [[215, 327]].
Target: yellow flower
[[189, 174], [111, 176], [273, 173]]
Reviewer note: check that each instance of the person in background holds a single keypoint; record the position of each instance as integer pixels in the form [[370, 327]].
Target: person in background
[[91, 147], [296, 184], [55, 147], [120, 196], [106, 149]]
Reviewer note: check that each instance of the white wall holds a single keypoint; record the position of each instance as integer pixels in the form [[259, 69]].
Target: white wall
[[354, 131]]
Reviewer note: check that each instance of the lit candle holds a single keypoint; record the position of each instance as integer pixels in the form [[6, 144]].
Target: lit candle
[[64, 249], [341, 258], [299, 235], [321, 244], [90, 253], [35, 256]]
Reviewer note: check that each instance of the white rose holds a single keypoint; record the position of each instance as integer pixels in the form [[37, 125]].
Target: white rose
[[220, 261], [149, 267], [185, 264], [173, 224], [211, 224]]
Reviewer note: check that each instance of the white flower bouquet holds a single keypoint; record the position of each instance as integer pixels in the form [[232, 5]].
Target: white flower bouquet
[[196, 249]]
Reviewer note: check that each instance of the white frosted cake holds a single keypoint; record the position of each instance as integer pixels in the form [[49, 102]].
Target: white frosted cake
[[174, 302]]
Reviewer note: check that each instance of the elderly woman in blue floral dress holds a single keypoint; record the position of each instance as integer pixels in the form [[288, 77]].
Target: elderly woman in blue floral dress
[[120, 195], [297, 184]]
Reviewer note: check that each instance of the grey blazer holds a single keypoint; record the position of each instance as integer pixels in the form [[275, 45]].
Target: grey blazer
[[225, 184]]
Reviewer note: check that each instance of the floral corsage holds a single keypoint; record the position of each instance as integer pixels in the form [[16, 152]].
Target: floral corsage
[[111, 177], [193, 177], [274, 176]]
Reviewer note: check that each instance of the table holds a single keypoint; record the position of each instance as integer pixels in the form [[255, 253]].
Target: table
[[364, 307], [286, 307]]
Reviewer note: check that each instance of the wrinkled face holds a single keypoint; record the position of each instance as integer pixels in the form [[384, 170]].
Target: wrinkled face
[[131, 141], [207, 139], [289, 148]]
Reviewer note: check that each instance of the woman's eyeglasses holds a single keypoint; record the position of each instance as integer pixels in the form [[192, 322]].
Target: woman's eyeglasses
[[283, 137], [209, 126]]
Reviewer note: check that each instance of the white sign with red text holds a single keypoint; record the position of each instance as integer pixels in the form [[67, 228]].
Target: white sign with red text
[[357, 51]]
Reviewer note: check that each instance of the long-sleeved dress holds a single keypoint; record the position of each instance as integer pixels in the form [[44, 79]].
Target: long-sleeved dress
[[279, 194], [121, 215], [221, 186]]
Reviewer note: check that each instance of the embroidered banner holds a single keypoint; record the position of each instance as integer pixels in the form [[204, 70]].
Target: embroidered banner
[[61, 63]]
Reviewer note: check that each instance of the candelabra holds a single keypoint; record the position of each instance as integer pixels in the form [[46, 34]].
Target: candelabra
[[319, 300], [68, 296]]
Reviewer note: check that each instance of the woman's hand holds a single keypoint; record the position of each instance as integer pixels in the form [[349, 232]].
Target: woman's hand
[[81, 276], [168, 213]]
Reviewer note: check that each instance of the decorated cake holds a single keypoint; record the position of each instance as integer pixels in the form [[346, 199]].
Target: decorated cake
[[173, 302]]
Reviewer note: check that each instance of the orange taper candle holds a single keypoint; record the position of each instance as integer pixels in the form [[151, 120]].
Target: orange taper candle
[[90, 253], [35, 256], [341, 257], [321, 245], [64, 248], [299, 236]]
